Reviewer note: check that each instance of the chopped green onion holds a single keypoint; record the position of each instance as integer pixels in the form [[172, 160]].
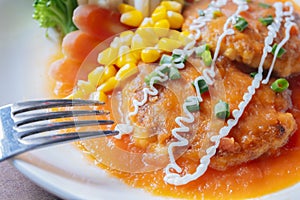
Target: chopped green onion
[[281, 50], [206, 57], [201, 12], [252, 74], [165, 59], [195, 107], [150, 76], [241, 24], [222, 110], [174, 73], [217, 13], [175, 56], [200, 49], [280, 85], [202, 85], [266, 20], [165, 70], [264, 5]]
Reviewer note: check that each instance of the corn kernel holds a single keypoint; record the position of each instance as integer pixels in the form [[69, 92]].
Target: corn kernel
[[148, 35], [99, 96], [123, 8], [184, 38], [150, 55], [107, 56], [109, 71], [124, 59], [167, 44], [126, 71], [123, 50], [162, 28], [147, 22], [175, 19], [85, 87], [95, 76], [125, 37], [108, 85], [159, 13], [132, 18], [172, 6], [137, 42]]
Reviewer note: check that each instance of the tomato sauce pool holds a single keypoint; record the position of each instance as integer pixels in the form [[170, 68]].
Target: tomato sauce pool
[[262, 176]]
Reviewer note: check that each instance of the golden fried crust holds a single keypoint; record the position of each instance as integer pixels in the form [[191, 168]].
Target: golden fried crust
[[264, 126], [247, 46]]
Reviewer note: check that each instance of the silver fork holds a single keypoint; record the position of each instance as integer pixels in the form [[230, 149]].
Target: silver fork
[[23, 125]]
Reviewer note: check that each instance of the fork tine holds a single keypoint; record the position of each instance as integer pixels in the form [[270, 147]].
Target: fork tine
[[26, 131], [51, 103], [59, 138], [35, 117]]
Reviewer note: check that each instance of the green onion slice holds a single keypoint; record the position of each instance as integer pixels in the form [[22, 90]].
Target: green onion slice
[[150, 76], [165, 59], [206, 57], [280, 85], [202, 85], [241, 24], [175, 56], [281, 50], [200, 49], [195, 107], [174, 73], [222, 110], [266, 20], [252, 74]]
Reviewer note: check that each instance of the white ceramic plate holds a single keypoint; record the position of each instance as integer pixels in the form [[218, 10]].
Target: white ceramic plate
[[62, 169]]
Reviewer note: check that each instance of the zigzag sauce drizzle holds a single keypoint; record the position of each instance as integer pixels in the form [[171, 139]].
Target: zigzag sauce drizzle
[[288, 26], [175, 178]]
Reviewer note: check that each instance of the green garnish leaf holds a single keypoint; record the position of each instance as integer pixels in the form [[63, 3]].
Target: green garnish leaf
[[222, 110], [174, 73], [175, 56], [280, 85], [241, 24], [195, 107], [266, 20], [165, 59], [200, 49], [150, 76], [252, 74], [206, 57], [281, 50], [202, 85]]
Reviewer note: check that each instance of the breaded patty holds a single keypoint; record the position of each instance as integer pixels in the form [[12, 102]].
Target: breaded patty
[[265, 125], [247, 46]]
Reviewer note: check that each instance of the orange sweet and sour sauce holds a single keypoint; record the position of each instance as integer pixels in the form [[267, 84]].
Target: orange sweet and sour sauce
[[262, 176], [256, 178]]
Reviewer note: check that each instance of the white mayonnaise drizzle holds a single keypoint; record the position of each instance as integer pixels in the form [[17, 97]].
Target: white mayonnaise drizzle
[[287, 25], [175, 178], [208, 76]]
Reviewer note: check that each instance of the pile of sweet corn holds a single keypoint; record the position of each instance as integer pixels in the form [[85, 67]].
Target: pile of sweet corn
[[147, 43], [166, 15]]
